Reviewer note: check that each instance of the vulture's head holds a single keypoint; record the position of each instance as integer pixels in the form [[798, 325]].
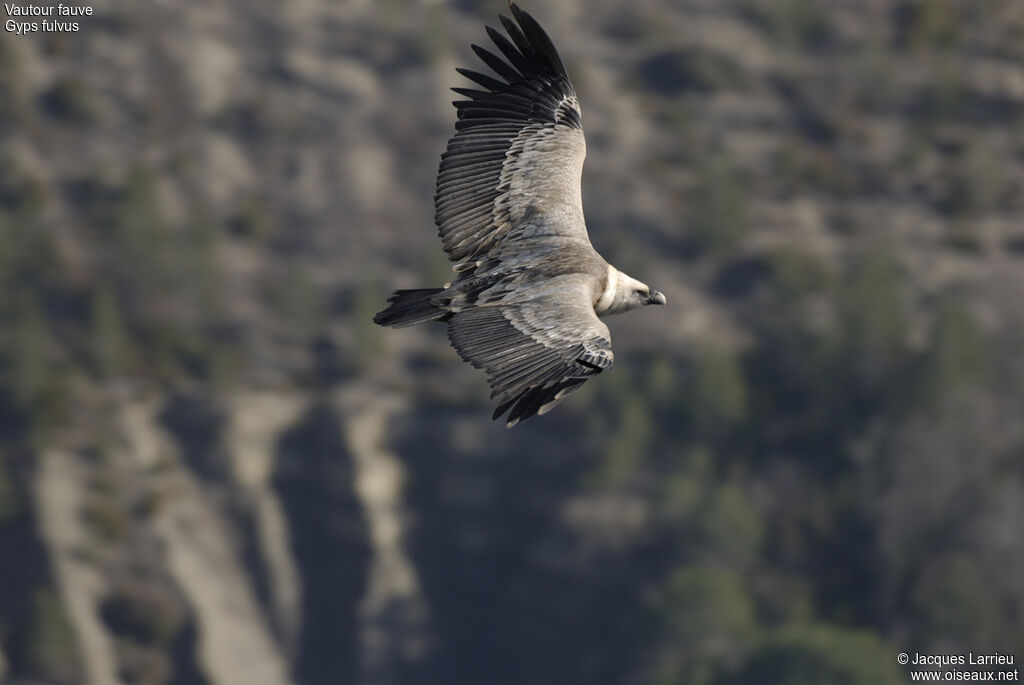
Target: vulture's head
[[622, 293]]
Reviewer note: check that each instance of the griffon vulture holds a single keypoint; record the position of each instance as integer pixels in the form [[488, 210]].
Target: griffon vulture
[[529, 289]]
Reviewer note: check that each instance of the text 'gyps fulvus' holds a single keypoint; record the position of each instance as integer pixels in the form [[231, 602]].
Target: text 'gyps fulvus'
[[530, 287]]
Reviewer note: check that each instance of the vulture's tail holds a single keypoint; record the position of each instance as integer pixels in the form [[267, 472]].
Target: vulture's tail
[[410, 307]]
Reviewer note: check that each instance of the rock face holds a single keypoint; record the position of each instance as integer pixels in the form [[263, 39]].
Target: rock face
[[82, 588], [215, 469]]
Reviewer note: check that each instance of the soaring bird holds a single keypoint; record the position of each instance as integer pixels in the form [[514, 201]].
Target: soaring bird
[[529, 289]]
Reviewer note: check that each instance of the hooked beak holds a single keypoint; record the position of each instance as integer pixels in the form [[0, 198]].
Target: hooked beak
[[656, 298]]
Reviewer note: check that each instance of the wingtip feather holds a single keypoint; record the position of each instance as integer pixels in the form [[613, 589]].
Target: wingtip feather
[[538, 38]]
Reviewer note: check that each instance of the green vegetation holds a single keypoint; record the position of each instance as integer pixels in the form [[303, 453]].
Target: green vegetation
[[10, 500], [931, 24], [29, 353], [109, 339], [626, 446], [710, 618], [718, 394], [798, 24], [51, 648], [718, 215], [814, 654], [954, 599], [872, 328], [368, 339], [626, 435], [297, 300], [958, 353]]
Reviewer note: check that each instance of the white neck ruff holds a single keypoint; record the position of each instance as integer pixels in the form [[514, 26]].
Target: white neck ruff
[[608, 294]]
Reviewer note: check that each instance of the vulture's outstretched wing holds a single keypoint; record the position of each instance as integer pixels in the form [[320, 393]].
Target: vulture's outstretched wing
[[537, 351], [518, 153]]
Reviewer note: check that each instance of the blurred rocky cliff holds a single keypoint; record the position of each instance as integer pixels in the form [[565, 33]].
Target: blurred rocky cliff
[[214, 469]]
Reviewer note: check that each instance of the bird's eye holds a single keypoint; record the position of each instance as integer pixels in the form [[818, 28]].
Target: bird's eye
[[639, 293]]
